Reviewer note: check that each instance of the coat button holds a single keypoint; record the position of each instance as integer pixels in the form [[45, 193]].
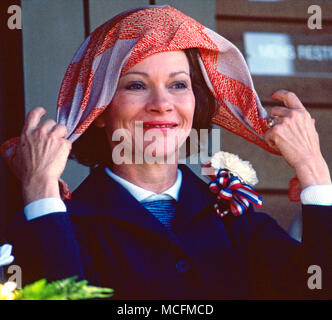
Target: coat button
[[182, 266]]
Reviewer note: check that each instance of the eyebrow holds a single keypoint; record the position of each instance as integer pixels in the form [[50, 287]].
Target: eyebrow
[[144, 74]]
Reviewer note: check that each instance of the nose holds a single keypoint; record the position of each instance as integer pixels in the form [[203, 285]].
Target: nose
[[159, 101]]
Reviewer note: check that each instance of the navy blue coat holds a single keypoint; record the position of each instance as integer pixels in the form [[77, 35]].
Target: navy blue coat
[[108, 238]]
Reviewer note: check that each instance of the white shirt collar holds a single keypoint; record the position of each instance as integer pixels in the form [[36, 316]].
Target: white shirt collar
[[143, 195]]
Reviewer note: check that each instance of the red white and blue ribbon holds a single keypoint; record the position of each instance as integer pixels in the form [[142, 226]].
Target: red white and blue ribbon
[[229, 187]]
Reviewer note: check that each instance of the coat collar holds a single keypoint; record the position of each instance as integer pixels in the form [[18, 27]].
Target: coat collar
[[99, 195], [193, 198]]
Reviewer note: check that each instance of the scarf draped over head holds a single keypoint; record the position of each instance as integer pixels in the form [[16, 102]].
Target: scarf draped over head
[[93, 74]]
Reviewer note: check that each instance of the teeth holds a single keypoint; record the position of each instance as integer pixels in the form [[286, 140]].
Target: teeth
[[157, 126]]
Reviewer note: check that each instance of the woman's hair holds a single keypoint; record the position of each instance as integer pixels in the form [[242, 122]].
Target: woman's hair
[[92, 147]]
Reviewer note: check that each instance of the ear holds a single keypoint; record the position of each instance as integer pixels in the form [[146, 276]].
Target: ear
[[100, 121]]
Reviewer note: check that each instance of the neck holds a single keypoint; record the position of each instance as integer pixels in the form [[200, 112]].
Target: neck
[[153, 177]]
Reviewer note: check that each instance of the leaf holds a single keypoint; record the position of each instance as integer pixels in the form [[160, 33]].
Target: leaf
[[65, 289]]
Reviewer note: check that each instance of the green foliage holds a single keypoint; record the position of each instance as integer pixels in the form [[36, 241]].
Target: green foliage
[[66, 289]]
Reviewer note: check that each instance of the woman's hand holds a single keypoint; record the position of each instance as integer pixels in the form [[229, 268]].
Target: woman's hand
[[41, 156], [295, 137]]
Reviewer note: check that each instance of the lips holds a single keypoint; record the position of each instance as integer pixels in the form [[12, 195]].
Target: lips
[[159, 125]]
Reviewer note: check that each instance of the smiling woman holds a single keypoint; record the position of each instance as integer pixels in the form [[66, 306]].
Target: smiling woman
[[157, 94], [153, 230]]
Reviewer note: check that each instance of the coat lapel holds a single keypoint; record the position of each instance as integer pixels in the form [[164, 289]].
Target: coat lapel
[[193, 198], [203, 236]]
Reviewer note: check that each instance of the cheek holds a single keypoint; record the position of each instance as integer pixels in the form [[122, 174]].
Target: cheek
[[121, 112]]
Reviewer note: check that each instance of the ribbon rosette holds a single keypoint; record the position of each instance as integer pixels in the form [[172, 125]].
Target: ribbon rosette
[[239, 196]]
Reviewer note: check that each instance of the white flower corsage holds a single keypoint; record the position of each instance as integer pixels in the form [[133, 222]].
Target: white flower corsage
[[236, 166], [232, 181]]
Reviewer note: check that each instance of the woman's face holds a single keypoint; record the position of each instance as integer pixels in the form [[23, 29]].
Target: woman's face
[[154, 99]]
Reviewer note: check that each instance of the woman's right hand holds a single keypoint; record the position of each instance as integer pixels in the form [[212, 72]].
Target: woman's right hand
[[41, 156]]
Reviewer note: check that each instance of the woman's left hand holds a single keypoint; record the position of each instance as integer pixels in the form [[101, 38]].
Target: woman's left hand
[[294, 135]]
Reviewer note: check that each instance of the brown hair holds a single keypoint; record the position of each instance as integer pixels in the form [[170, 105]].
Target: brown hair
[[92, 148]]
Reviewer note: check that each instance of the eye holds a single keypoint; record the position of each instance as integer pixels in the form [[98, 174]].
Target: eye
[[179, 85], [137, 85]]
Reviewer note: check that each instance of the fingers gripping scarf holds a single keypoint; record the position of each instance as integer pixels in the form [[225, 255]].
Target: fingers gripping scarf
[[92, 76]]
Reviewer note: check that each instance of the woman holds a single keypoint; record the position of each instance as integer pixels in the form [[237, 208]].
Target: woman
[[149, 229]]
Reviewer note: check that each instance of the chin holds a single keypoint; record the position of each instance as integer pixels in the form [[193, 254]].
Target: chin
[[160, 154]]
